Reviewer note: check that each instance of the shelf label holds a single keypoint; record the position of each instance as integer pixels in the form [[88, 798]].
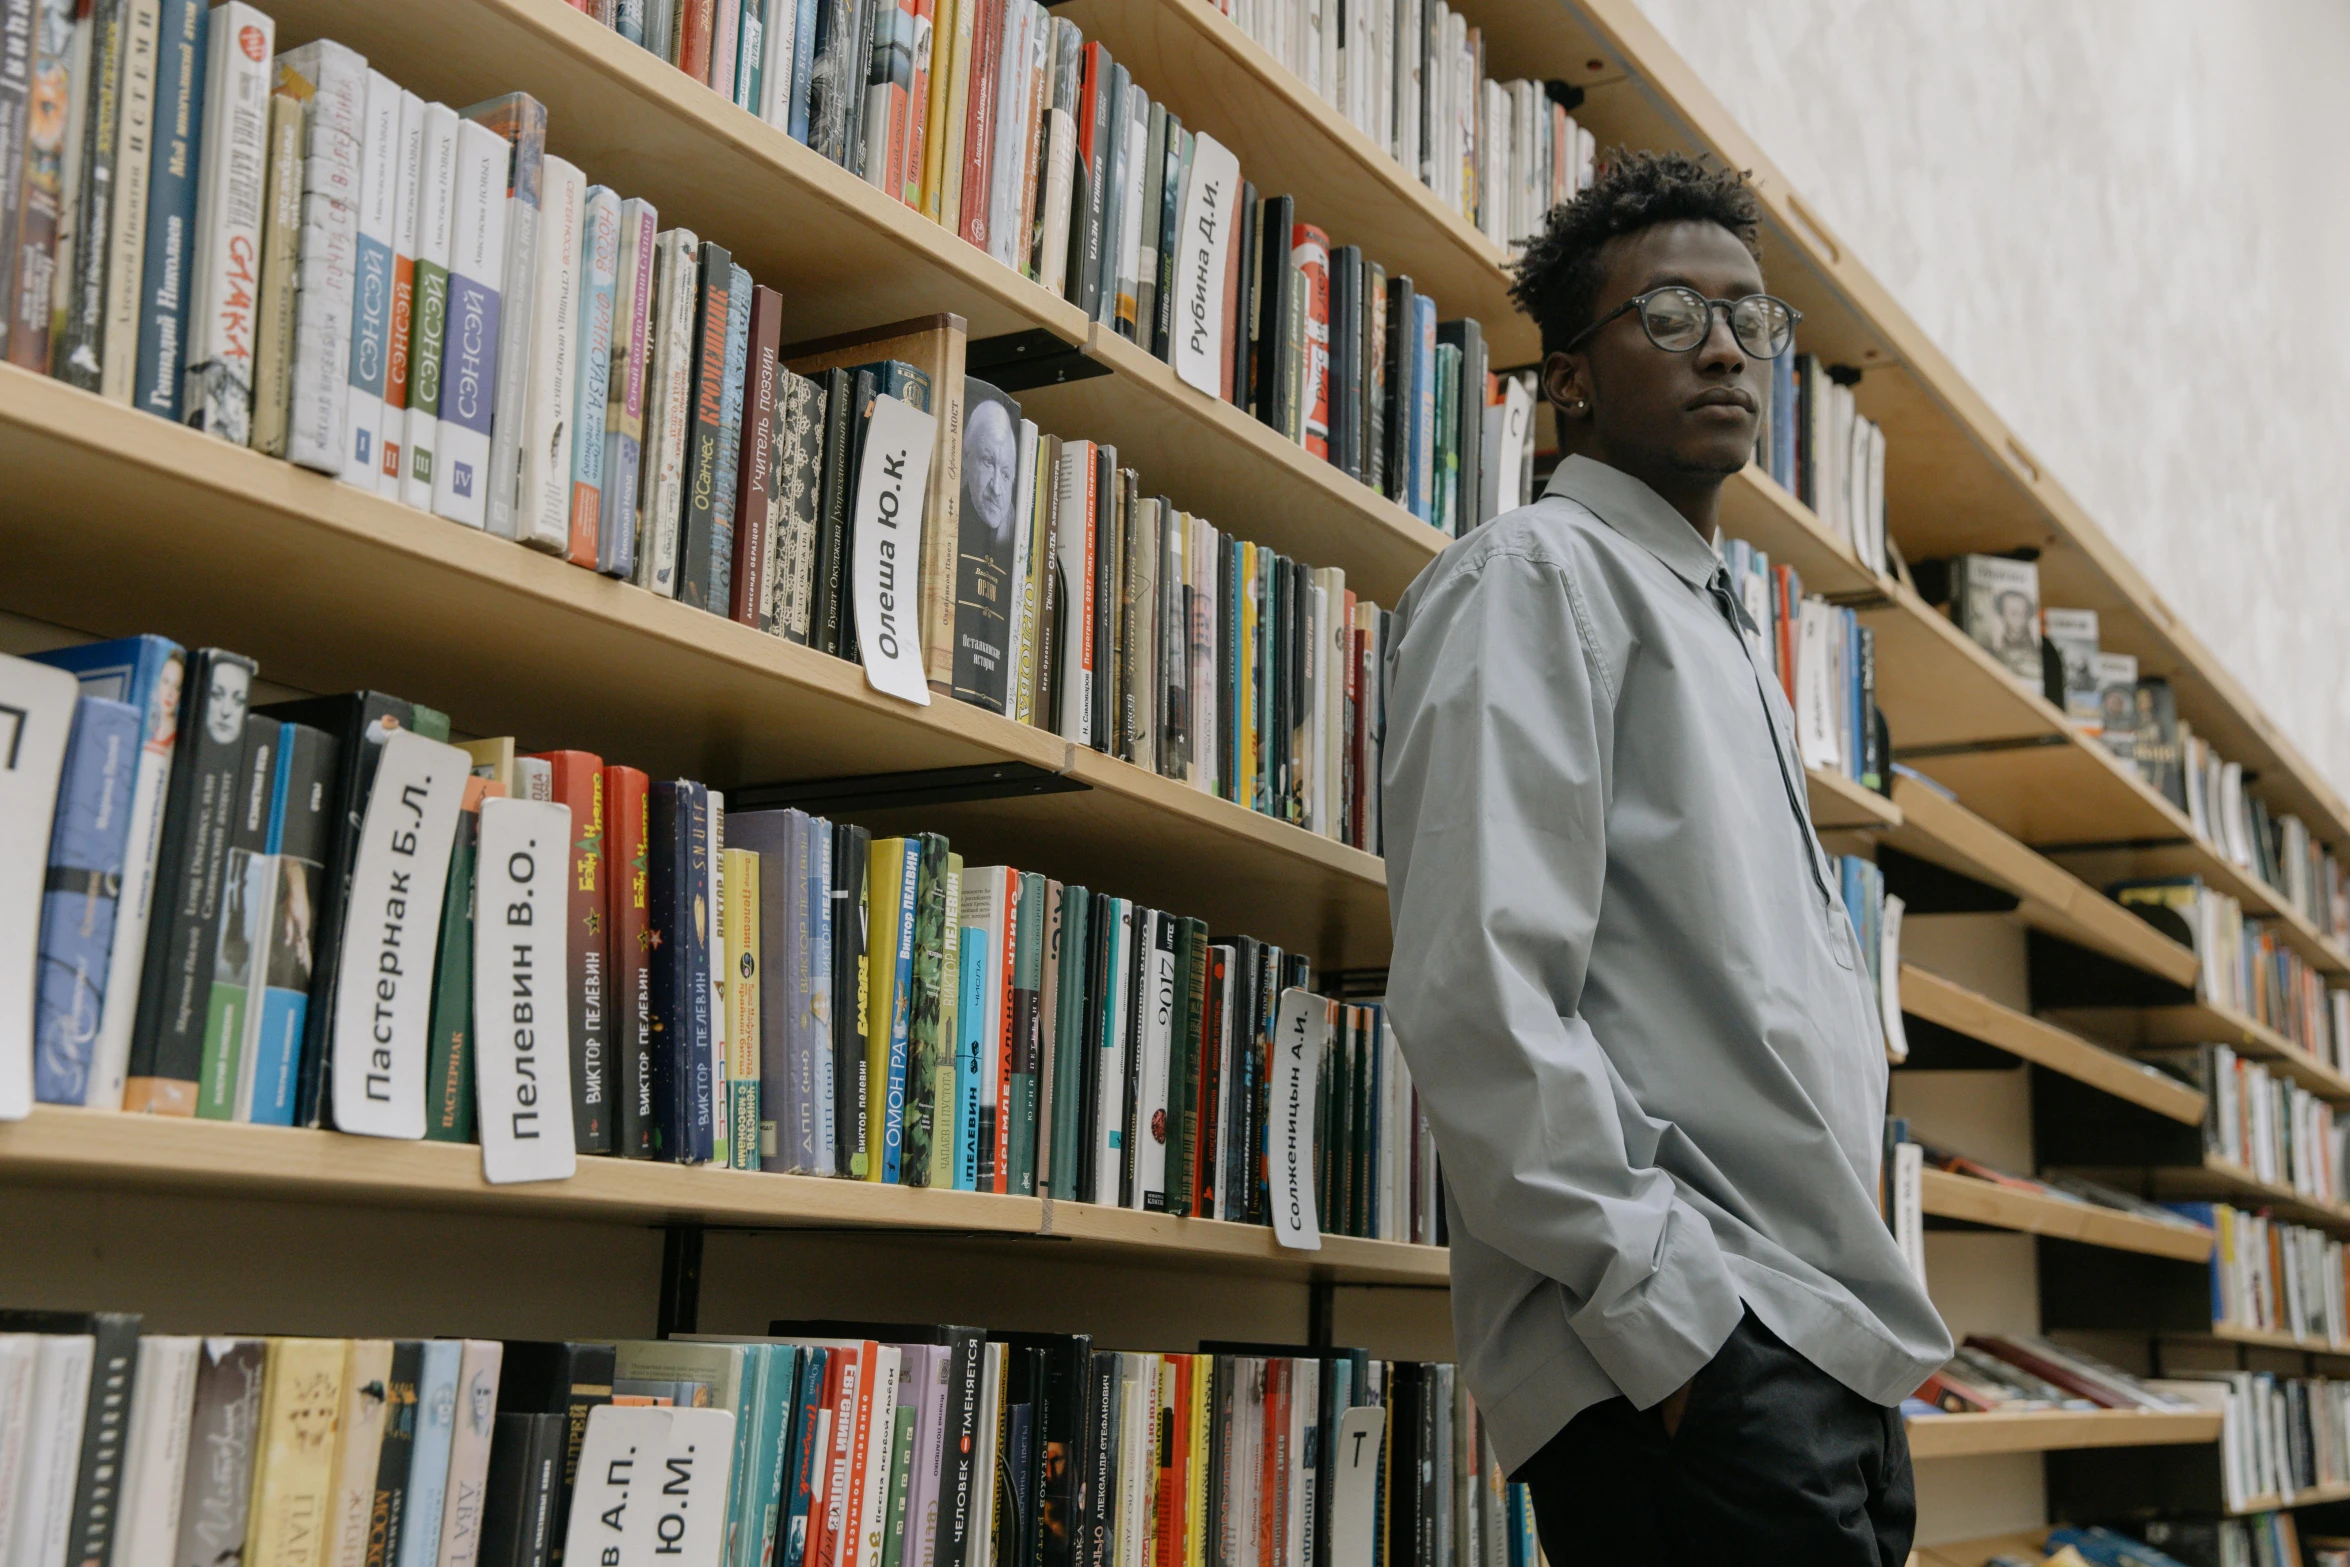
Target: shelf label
[[890, 486], [391, 927], [1209, 204], [1354, 1502], [522, 992], [1299, 1037]]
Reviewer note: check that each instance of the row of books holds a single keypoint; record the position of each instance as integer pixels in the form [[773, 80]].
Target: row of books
[[822, 1444], [1008, 1033], [1876, 926], [2279, 1436], [2267, 1539], [2021, 1371], [1410, 75], [1826, 661], [1003, 124], [2271, 1276], [2247, 965], [2263, 1121], [1817, 446]]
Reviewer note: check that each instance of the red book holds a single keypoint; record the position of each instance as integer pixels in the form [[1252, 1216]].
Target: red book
[[629, 929], [1211, 1083], [987, 49], [1173, 1514], [909, 190], [1007, 1034], [754, 541], [578, 782], [827, 1515], [1309, 252], [1273, 1471], [695, 24]]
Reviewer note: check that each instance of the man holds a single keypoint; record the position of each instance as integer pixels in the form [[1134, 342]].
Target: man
[[1634, 1007]]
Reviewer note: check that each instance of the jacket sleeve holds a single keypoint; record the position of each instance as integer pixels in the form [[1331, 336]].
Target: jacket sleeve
[[1498, 768]]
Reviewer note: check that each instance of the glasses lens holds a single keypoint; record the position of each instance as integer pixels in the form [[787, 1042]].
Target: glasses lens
[[1675, 318], [1763, 325]]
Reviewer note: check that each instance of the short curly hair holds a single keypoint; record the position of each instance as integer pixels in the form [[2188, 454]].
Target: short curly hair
[[1557, 280]]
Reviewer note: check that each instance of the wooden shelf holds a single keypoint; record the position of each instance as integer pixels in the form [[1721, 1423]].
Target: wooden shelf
[[1974, 1553], [1934, 999], [1755, 508], [332, 588], [2047, 1430], [101, 1149], [845, 256], [2314, 1496], [1204, 68], [2270, 1338], [1841, 804], [1947, 1196], [2048, 898], [2218, 1181], [2203, 1023], [2104, 867]]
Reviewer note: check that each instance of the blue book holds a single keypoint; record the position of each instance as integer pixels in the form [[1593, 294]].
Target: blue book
[[428, 1463], [599, 268], [803, 70], [730, 438], [300, 829], [86, 846], [146, 672], [677, 841], [799, 1464], [972, 1003], [171, 208], [628, 20], [1784, 416], [770, 1449]]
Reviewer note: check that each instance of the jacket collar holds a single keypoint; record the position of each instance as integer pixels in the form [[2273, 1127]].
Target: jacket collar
[[1639, 514]]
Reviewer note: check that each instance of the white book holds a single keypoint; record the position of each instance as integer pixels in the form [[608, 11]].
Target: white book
[[469, 1452], [1138, 124], [1909, 1224], [469, 364], [991, 1397], [779, 41], [154, 1451], [333, 83], [41, 1523], [599, 277], [668, 396], [1019, 650], [36, 719], [1138, 1470], [1157, 1034], [1889, 977], [1410, 50], [407, 169], [1305, 1392], [19, 1356], [436, 180], [1003, 197], [543, 495], [218, 397], [126, 230], [1060, 171], [375, 282]]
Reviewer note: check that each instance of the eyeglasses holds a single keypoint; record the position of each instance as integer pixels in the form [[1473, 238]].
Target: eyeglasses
[[1677, 319]]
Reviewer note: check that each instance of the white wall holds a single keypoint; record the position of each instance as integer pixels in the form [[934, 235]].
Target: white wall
[[2121, 219]]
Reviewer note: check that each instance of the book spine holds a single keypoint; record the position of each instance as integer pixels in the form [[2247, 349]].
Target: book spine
[[159, 275], [408, 176], [281, 250], [629, 1007], [704, 428], [293, 1485], [332, 85], [81, 900], [474, 335], [730, 439], [624, 412], [668, 896], [127, 225], [374, 282], [521, 122], [798, 492], [449, 1106], [436, 176], [599, 269], [850, 920], [270, 1077], [669, 399], [218, 396], [579, 784], [742, 955], [78, 318], [703, 843], [428, 1473], [753, 565], [544, 478], [462, 1512]]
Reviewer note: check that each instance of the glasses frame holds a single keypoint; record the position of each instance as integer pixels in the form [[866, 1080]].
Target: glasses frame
[[1639, 302]]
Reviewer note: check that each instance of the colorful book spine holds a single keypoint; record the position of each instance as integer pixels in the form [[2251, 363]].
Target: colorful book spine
[[375, 281], [668, 407], [293, 1481], [895, 882], [300, 826], [925, 1155], [543, 520], [739, 880], [392, 440], [730, 438], [218, 396], [971, 977], [578, 783], [88, 842], [625, 388], [333, 85], [630, 1008], [521, 121], [428, 1465], [678, 852], [126, 241], [704, 431], [436, 182], [474, 336], [752, 596], [171, 209], [599, 268]]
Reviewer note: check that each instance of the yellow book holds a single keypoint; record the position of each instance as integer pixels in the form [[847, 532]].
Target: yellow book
[[294, 1483], [493, 759], [740, 878], [958, 111], [367, 1375], [1195, 1477], [889, 933], [944, 23]]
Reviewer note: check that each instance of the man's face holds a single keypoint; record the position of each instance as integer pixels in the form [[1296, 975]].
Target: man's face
[[991, 462], [1653, 411], [2014, 610]]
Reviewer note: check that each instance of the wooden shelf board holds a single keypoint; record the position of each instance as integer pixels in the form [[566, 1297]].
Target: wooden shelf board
[[2105, 866], [2269, 1338], [2218, 1181], [1755, 508], [332, 588], [1939, 689], [2049, 898], [2047, 1430], [1205, 69], [89, 1148], [2203, 1023], [845, 256], [1937, 1000], [1841, 804], [1974, 1553], [1949, 1196]]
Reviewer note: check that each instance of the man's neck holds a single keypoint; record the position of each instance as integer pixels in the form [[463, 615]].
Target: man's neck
[[1696, 495]]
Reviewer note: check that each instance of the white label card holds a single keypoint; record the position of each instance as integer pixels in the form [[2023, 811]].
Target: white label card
[[36, 717], [1200, 263], [890, 486], [521, 992], [1299, 1037], [383, 996], [651, 1487], [1354, 1498]]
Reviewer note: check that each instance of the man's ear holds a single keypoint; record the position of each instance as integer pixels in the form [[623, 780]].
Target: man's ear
[[1566, 382]]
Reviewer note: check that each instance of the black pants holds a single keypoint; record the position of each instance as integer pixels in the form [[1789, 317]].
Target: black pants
[[1774, 1462]]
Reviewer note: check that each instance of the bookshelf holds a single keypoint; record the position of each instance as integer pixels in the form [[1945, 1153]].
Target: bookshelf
[[113, 523]]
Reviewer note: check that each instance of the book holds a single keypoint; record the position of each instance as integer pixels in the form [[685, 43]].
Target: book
[[88, 842], [474, 338], [436, 175], [450, 1065], [727, 470], [629, 987], [523, 1489], [359, 1435], [79, 315], [740, 883], [1996, 602], [294, 1477], [293, 863], [218, 395], [245, 887], [92, 1378], [509, 279], [990, 510], [578, 780], [626, 389], [400, 313], [668, 399], [853, 995], [796, 495], [466, 1496], [543, 479], [699, 530], [922, 1097], [280, 274], [439, 1380], [155, 1449], [126, 223], [164, 271], [374, 281], [755, 558], [599, 276], [678, 847], [331, 83], [225, 1426]]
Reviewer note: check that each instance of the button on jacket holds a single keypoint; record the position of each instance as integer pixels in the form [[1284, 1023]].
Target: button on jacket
[[1632, 1003]]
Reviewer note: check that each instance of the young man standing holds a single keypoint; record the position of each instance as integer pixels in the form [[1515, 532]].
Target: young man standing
[[1634, 1007]]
